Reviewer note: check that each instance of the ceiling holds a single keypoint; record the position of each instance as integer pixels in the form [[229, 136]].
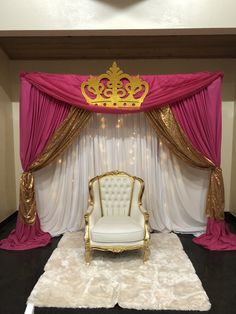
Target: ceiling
[[119, 47]]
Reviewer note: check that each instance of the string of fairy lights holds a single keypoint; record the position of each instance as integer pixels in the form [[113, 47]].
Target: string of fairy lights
[[119, 123]]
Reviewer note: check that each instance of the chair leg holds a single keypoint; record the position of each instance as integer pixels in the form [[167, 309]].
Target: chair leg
[[87, 255], [146, 253]]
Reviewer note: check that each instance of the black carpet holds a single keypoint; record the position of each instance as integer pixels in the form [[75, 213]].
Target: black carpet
[[20, 271]]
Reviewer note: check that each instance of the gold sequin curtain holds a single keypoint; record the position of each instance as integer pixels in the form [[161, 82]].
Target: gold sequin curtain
[[171, 133], [71, 127]]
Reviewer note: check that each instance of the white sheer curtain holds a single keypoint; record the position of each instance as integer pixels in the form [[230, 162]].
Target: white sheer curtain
[[175, 193]]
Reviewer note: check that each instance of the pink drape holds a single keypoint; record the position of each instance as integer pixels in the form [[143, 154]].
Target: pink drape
[[200, 118], [25, 237], [217, 237], [40, 116], [162, 88]]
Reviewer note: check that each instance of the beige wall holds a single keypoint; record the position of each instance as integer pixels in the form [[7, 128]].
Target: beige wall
[[7, 168], [143, 67], [116, 14], [16, 137]]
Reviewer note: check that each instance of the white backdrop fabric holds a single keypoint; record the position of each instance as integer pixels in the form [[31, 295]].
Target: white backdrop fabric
[[175, 193]]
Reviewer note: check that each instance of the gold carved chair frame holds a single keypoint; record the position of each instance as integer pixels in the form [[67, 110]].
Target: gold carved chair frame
[[115, 249]]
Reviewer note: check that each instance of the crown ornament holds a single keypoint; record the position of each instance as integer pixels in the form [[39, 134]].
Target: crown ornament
[[115, 89]]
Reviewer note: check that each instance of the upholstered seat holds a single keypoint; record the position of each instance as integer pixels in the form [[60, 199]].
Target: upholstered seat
[[116, 220], [117, 229]]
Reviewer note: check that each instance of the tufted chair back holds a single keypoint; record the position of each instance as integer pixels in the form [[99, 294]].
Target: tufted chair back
[[116, 193]]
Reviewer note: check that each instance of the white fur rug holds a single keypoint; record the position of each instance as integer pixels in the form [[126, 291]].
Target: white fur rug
[[167, 281]]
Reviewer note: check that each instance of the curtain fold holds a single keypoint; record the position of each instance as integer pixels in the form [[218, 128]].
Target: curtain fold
[[27, 203], [26, 237], [57, 144], [62, 138], [40, 116], [200, 117], [217, 237], [173, 136], [48, 134]]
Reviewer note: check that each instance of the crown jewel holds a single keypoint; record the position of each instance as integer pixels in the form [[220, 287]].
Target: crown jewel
[[115, 89]]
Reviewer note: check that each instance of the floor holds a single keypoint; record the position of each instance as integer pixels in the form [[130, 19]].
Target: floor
[[20, 271]]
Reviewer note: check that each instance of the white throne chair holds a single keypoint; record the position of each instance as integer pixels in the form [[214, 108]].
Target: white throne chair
[[115, 220]]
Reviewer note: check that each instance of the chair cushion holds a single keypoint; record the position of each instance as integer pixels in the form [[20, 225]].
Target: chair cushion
[[118, 229]]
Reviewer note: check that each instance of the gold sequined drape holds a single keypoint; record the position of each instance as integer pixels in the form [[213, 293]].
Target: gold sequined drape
[[61, 139], [27, 204], [171, 133]]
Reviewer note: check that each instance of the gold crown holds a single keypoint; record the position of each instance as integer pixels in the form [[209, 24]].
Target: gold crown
[[115, 89]]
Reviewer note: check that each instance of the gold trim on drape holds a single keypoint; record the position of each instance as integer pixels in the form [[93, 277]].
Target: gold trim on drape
[[216, 196], [60, 140], [27, 204], [171, 133]]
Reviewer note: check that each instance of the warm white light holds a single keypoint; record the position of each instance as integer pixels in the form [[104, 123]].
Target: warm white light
[[53, 195], [59, 161], [102, 148], [131, 151], [118, 126]]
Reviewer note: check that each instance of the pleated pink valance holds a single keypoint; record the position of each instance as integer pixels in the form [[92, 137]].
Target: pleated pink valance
[[163, 89]]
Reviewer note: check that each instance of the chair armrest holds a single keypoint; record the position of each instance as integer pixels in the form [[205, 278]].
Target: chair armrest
[[89, 223], [139, 213], [91, 216], [146, 222], [144, 212], [142, 217]]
